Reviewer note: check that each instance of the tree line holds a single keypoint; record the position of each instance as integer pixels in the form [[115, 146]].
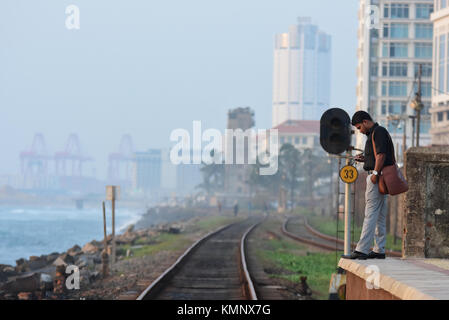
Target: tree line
[[298, 172]]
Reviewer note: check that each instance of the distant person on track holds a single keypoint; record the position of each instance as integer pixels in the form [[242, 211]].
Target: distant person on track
[[374, 223], [236, 209], [219, 206], [265, 208]]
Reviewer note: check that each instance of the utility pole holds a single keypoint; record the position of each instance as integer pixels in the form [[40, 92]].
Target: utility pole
[[417, 105], [348, 203], [413, 129], [112, 193], [404, 139]]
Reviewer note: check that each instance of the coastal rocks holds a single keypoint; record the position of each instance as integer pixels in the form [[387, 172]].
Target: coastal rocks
[[59, 262], [25, 296], [75, 250], [67, 258], [28, 283], [59, 280], [6, 271], [52, 257], [90, 248], [37, 262], [22, 265], [129, 229], [82, 261], [126, 238]]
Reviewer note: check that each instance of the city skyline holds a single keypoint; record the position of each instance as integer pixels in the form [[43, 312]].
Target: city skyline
[[122, 73]]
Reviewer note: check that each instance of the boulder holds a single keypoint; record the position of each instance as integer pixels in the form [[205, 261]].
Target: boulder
[[67, 258], [75, 250], [82, 261], [84, 278], [126, 238], [22, 267], [9, 269], [174, 230], [20, 261], [59, 262], [94, 276], [90, 248], [52, 257], [37, 262], [6, 272], [130, 229], [28, 283], [25, 296], [46, 282]]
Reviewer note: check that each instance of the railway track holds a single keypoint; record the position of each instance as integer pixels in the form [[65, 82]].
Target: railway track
[[297, 228], [213, 268]]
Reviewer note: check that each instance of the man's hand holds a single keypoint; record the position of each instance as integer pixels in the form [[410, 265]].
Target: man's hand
[[374, 178], [359, 158]]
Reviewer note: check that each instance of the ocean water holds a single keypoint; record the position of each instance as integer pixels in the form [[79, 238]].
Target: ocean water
[[33, 231]]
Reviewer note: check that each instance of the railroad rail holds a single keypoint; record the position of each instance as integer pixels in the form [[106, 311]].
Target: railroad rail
[[213, 268], [311, 236]]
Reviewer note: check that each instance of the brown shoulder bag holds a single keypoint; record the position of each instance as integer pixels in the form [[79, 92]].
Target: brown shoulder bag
[[391, 181]]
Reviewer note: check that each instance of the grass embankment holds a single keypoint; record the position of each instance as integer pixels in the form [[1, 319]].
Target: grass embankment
[[328, 225], [287, 259], [174, 242]]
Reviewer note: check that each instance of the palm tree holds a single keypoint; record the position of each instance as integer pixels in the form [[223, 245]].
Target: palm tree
[[213, 177], [290, 169], [313, 167]]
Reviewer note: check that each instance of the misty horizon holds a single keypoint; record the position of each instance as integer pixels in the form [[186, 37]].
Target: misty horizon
[[147, 69]]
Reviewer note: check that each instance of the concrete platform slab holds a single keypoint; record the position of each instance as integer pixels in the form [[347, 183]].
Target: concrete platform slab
[[406, 279]]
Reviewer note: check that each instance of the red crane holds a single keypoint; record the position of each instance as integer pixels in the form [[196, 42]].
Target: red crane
[[120, 163], [34, 163], [73, 156]]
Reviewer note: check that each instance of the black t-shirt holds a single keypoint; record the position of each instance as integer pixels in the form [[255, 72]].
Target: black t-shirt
[[384, 144]]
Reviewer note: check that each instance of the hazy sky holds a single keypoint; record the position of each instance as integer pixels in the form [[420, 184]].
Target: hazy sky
[[147, 67]]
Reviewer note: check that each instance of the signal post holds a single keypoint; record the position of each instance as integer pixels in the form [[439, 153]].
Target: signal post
[[335, 138]]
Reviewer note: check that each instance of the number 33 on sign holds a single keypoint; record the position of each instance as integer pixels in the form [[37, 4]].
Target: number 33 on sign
[[348, 174]]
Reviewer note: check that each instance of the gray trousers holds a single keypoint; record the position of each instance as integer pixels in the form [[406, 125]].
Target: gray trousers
[[374, 224]]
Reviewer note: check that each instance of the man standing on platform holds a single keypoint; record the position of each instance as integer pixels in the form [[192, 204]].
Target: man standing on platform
[[374, 223]]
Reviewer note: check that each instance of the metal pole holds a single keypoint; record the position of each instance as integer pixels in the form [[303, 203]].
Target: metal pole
[[418, 111], [113, 230], [104, 228], [404, 140], [104, 254], [348, 203]]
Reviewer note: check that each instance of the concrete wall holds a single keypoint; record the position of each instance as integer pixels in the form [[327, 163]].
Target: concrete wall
[[356, 289], [426, 214]]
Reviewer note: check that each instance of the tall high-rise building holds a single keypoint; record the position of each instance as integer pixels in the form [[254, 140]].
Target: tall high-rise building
[[440, 95], [301, 75], [236, 175], [395, 37]]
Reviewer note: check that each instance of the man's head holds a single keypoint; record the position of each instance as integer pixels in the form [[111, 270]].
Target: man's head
[[362, 121]]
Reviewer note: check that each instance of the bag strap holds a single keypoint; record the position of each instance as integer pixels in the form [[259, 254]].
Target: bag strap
[[374, 146]]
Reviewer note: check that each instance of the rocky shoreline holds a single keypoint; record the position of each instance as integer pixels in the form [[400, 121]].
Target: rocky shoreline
[[44, 277]]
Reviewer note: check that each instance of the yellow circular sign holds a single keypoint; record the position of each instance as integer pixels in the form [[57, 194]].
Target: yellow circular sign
[[348, 174]]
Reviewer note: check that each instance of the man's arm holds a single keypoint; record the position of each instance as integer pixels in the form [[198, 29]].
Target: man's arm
[[380, 159]]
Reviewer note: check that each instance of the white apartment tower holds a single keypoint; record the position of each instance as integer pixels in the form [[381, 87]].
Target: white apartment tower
[[301, 74], [440, 95], [395, 37]]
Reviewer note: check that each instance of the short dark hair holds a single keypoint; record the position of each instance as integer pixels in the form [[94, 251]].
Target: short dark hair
[[359, 116]]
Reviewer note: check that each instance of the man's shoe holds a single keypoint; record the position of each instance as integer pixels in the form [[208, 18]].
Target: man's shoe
[[356, 255], [375, 255]]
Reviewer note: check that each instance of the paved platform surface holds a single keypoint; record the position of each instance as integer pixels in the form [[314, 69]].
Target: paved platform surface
[[407, 279]]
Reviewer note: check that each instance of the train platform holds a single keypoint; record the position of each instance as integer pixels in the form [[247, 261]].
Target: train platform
[[396, 279]]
